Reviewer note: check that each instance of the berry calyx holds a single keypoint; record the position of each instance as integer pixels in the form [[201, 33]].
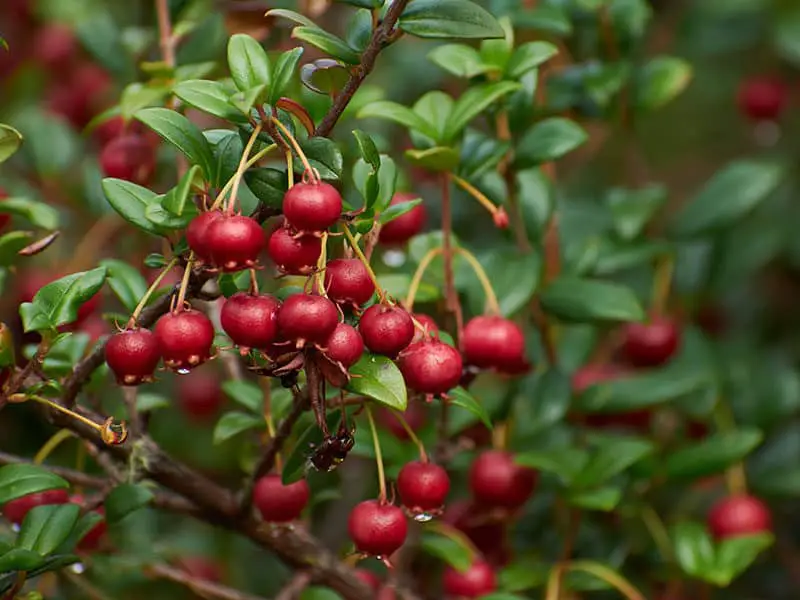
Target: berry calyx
[[348, 282], [431, 367], [423, 488], [250, 321], [386, 330], [200, 395], [279, 503], [377, 528], [398, 231], [185, 338], [312, 207], [197, 234], [475, 582], [235, 241], [739, 515], [129, 157], [651, 344], [15, 510], [493, 342], [293, 254], [497, 481], [762, 98], [133, 355], [429, 326], [307, 319], [344, 345]]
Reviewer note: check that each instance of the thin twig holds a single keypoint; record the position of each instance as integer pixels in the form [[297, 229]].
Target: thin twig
[[202, 587], [295, 586]]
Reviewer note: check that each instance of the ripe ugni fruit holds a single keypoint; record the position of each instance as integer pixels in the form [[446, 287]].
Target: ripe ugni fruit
[[497, 481], [15, 510], [423, 488], [307, 319], [186, 338], [312, 207], [386, 329], [197, 234], [133, 355], [431, 367], [492, 342], [377, 528], [344, 345], [347, 281], [403, 228], [739, 515], [475, 582], [762, 98], [294, 254], [251, 321], [651, 344], [280, 503], [234, 241]]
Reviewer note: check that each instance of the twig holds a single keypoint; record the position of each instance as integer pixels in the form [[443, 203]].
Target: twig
[[450, 293], [166, 39], [294, 588], [381, 37], [202, 587]]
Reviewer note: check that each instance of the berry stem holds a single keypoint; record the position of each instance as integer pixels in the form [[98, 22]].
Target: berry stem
[[319, 276], [378, 456], [226, 188], [497, 212], [416, 280], [50, 445], [611, 577], [735, 476], [658, 532], [237, 178], [143, 302], [480, 273], [363, 259], [289, 169], [423, 455], [49, 403], [184, 283], [454, 534], [450, 293], [662, 281], [288, 134]]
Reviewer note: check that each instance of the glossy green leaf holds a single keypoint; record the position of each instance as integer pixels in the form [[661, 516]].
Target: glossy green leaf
[[397, 210], [397, 113], [528, 56], [19, 480], [246, 393], [285, 69], [158, 214], [327, 76], [324, 155], [147, 402], [377, 377], [524, 573], [57, 303], [610, 457], [292, 16], [137, 96], [565, 462], [633, 209], [548, 140], [546, 18], [359, 30], [604, 498], [693, 548], [462, 398], [713, 454], [729, 196], [247, 99], [268, 185], [45, 528], [327, 42], [125, 499], [515, 278], [735, 555], [447, 549], [233, 423], [248, 62], [131, 202], [10, 140], [178, 199], [210, 97], [181, 133], [38, 213], [448, 19], [459, 60], [586, 300], [473, 102], [19, 559], [367, 149], [125, 281], [662, 79]]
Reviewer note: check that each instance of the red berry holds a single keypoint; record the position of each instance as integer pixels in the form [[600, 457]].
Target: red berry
[[368, 577], [427, 323], [129, 157], [307, 319], [185, 338], [235, 242], [200, 395], [107, 131], [279, 503], [348, 282], [197, 233], [415, 416], [377, 529], [15, 510], [200, 567], [95, 535], [386, 329], [344, 345], [312, 206], [423, 488], [493, 342], [294, 255], [406, 226], [431, 367], [133, 355], [762, 98], [739, 515], [55, 46], [651, 344], [488, 535], [5, 218], [496, 481], [475, 582], [250, 321]]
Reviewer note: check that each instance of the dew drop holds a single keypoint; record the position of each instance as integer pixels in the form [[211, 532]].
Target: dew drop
[[15, 528], [77, 568], [380, 558], [184, 371], [423, 517]]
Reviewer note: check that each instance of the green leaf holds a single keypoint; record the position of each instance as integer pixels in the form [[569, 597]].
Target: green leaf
[[19, 480], [565, 462], [45, 528], [10, 140], [175, 201], [438, 158], [461, 397], [528, 56], [147, 402], [210, 97], [735, 555], [525, 573], [605, 498], [612, 456], [137, 96], [19, 559], [693, 547], [10, 245], [159, 215], [729, 196], [549, 19], [268, 185], [57, 303], [585, 300], [125, 281], [712, 455], [285, 69], [327, 42], [473, 102], [125, 499], [248, 62], [515, 278], [448, 549], [662, 79], [397, 210], [397, 113], [633, 209], [131, 202], [448, 19], [786, 34], [38, 213], [367, 149], [246, 393], [459, 60], [247, 99], [233, 423], [396, 286], [377, 377], [292, 16], [548, 140], [324, 155], [181, 133]]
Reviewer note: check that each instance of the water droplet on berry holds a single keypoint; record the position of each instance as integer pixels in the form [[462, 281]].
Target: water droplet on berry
[[423, 517], [394, 258], [77, 568], [183, 371], [15, 528]]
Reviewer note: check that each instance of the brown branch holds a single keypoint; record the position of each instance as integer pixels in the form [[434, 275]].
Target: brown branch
[[294, 588], [381, 37], [202, 587], [166, 39]]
